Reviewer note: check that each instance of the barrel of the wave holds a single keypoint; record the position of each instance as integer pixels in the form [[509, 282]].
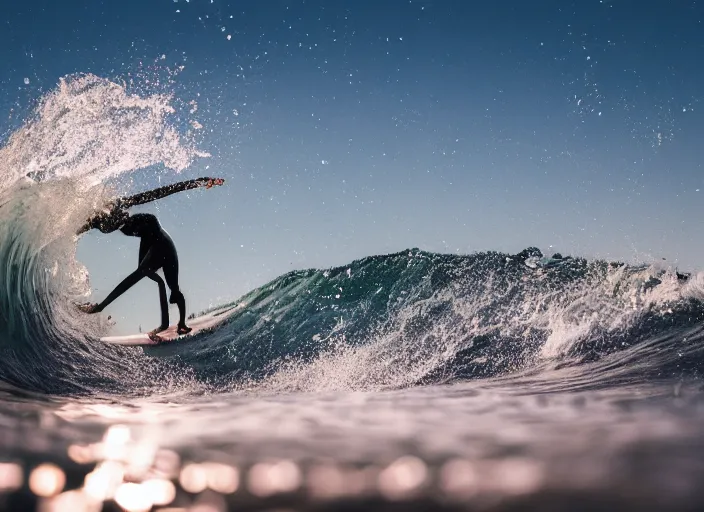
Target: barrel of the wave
[[38, 271]]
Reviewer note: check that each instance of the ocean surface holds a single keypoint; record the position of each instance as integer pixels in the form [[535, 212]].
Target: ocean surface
[[407, 381]]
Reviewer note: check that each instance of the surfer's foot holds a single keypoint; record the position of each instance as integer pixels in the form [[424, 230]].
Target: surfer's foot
[[156, 331], [183, 329], [154, 336], [88, 308]]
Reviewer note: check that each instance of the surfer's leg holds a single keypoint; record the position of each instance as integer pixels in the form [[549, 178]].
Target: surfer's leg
[[162, 301], [121, 288], [149, 264], [171, 275]]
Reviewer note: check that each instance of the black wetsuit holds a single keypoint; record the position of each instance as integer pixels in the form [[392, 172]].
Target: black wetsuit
[[156, 249]]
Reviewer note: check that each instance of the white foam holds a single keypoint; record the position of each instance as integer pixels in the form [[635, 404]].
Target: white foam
[[93, 129]]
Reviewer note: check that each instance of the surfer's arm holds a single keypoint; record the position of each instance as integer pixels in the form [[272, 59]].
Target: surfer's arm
[[104, 220], [167, 190]]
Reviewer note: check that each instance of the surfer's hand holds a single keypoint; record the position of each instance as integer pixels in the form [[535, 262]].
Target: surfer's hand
[[214, 181], [89, 308]]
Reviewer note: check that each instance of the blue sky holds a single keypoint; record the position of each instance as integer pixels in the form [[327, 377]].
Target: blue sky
[[352, 128]]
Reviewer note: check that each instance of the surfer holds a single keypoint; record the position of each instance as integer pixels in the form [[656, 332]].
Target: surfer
[[156, 249]]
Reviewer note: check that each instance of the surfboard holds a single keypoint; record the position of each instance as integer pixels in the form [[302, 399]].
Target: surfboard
[[198, 324]]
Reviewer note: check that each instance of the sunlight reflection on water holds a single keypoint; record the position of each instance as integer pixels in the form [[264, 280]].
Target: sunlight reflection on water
[[475, 447]]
